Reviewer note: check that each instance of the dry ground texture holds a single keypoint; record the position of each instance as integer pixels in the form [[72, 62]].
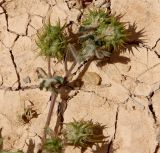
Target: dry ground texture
[[128, 99]]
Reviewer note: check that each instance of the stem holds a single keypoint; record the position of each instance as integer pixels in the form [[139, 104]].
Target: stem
[[73, 51], [65, 66], [80, 4], [53, 100], [70, 70], [60, 118], [65, 63], [49, 67]]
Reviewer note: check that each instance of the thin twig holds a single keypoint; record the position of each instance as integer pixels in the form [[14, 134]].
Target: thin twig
[[65, 65], [73, 51], [68, 74], [53, 100], [80, 4], [60, 113], [49, 67]]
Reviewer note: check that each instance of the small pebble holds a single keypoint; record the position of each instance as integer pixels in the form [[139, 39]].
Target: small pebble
[[92, 78]]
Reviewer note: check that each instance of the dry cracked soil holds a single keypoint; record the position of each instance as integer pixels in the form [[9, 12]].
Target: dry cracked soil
[[127, 101]]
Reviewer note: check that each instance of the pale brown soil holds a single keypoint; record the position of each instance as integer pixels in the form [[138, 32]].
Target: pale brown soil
[[128, 99]]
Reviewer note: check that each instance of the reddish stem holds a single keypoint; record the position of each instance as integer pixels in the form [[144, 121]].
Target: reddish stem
[[53, 100], [49, 67]]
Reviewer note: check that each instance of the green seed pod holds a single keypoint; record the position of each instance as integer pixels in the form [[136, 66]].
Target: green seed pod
[[101, 35], [53, 145], [95, 17], [51, 41], [112, 34], [79, 133]]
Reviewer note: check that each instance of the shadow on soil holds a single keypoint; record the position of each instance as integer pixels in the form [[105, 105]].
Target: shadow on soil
[[1, 140], [31, 146], [135, 38]]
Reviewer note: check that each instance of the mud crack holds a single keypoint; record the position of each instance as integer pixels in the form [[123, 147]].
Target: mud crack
[[156, 44], [31, 87], [150, 48], [15, 67], [93, 92], [151, 109], [150, 106], [5, 13], [29, 21], [116, 121], [7, 23], [157, 54], [14, 63], [115, 131], [156, 148], [1, 3], [147, 70]]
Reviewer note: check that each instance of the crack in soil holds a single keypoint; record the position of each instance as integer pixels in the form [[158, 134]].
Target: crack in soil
[[29, 21], [147, 70], [23, 88], [5, 13], [115, 131], [14, 64], [148, 48], [156, 148], [145, 46], [1, 3], [116, 121], [7, 24], [151, 109], [15, 67], [151, 48], [91, 91], [156, 44], [157, 54], [150, 106]]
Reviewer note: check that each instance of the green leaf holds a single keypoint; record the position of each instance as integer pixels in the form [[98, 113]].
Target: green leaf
[[59, 79], [51, 84]]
